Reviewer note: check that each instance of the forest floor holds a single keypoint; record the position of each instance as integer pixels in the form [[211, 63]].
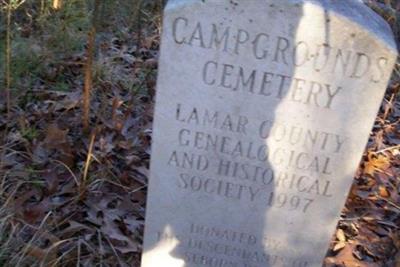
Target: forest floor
[[69, 198]]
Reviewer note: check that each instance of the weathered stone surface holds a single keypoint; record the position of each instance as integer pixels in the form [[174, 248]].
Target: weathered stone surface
[[263, 111]]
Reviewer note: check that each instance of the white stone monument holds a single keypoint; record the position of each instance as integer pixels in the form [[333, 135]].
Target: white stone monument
[[263, 111]]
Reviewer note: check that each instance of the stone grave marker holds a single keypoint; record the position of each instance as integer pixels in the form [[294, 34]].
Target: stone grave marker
[[263, 111]]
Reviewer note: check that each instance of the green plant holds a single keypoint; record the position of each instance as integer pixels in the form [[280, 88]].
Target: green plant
[[29, 133]]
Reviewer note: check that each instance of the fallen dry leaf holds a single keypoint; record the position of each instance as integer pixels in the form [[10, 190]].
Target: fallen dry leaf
[[383, 192], [376, 163], [340, 235], [339, 246]]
